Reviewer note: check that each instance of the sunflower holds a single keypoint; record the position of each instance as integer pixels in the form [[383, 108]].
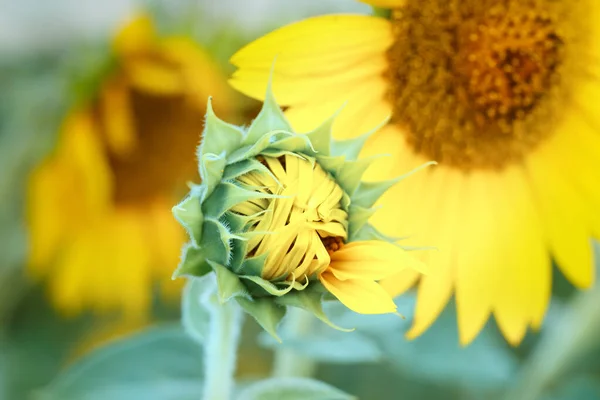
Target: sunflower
[[101, 230], [504, 95]]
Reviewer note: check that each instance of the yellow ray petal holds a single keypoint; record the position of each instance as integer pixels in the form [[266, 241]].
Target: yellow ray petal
[[385, 3], [45, 214], [371, 260], [361, 296], [366, 99], [154, 77], [137, 36], [319, 46], [118, 117], [82, 150], [517, 300], [564, 214], [478, 258], [435, 288]]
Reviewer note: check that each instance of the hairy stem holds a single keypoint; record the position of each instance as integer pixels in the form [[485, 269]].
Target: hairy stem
[[221, 348], [287, 362]]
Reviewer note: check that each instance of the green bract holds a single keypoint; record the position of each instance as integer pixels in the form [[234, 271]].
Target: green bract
[[218, 237]]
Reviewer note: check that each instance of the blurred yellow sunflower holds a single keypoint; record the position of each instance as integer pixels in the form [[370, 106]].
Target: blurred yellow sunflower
[[505, 96], [99, 207]]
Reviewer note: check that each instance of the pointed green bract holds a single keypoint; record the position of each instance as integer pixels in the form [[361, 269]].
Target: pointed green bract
[[221, 237]]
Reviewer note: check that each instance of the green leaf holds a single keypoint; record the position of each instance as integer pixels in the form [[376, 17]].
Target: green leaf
[[295, 143], [265, 312], [330, 164], [292, 389], [195, 316], [160, 363], [253, 265], [189, 215], [228, 283], [218, 136]]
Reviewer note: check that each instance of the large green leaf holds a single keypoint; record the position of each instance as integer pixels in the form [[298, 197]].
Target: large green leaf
[[195, 316], [161, 363], [292, 389]]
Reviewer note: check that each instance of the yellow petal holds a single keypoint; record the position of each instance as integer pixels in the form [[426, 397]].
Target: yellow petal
[[564, 213], [524, 280], [361, 296], [136, 36], [154, 77], [385, 3], [311, 52], [45, 214], [118, 117], [435, 289], [478, 260], [82, 150], [365, 98], [372, 260]]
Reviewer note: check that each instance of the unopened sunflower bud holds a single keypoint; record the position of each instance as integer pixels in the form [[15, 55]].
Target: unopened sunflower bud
[[282, 219]]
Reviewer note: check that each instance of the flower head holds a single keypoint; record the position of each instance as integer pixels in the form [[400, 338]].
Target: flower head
[[95, 204], [503, 95], [282, 219]]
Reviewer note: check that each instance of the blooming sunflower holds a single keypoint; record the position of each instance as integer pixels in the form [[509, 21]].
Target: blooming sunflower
[[101, 231], [504, 95]]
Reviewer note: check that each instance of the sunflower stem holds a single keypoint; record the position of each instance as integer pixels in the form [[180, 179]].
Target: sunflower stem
[[289, 363], [221, 348]]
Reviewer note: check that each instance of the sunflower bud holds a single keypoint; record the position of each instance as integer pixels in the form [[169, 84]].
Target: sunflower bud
[[281, 218]]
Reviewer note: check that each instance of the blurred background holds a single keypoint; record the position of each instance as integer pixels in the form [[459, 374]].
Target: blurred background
[[87, 179]]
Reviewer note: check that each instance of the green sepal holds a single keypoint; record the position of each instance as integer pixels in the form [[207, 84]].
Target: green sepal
[[227, 195], [240, 168], [296, 143], [211, 171], [269, 118], [330, 164], [238, 222], [228, 283], [256, 148], [311, 301], [265, 311], [351, 172], [189, 215], [267, 286], [218, 136], [321, 137], [357, 218], [253, 265], [369, 232], [215, 241], [367, 193], [350, 148], [193, 262], [275, 153]]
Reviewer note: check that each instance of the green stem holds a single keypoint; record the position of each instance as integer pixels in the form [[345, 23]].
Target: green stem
[[287, 362], [221, 348]]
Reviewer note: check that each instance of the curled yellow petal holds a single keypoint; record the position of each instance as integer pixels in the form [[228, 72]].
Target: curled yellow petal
[[361, 296]]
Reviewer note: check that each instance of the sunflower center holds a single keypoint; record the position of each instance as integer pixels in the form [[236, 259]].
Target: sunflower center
[[472, 80], [299, 229], [158, 164]]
